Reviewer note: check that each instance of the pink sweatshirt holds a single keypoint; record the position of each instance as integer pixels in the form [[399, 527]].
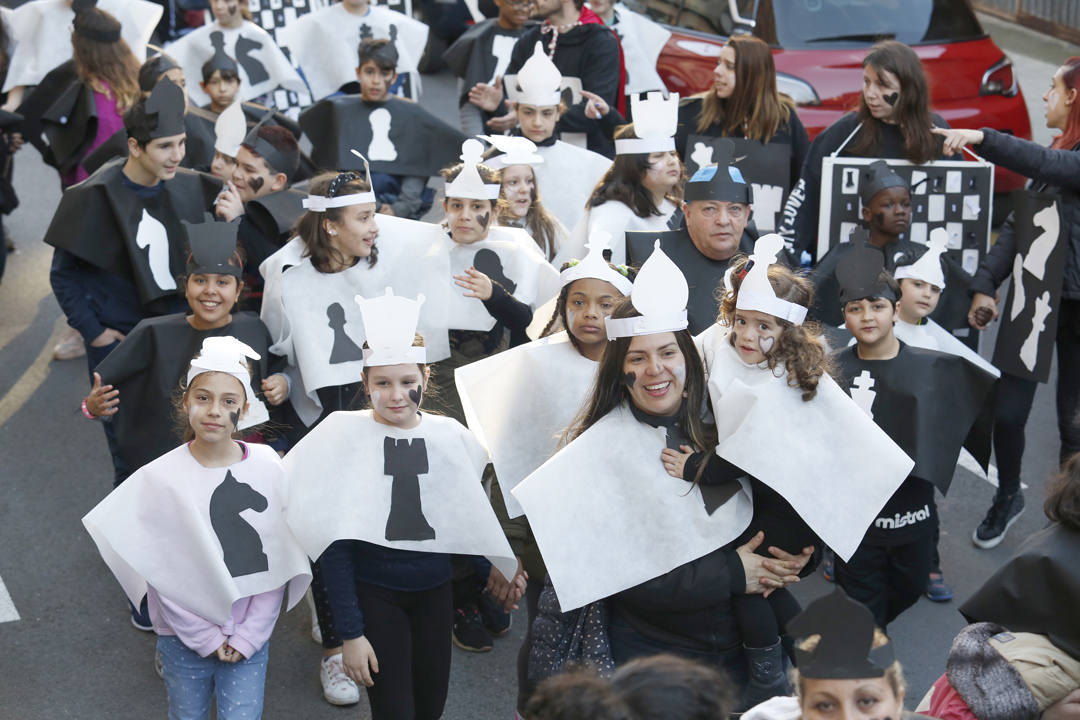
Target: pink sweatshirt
[[252, 621]]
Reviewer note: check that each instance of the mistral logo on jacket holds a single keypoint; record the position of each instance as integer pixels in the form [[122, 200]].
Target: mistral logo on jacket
[[898, 521]]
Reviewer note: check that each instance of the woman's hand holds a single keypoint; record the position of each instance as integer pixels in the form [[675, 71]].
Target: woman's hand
[[487, 97], [360, 661], [957, 138], [477, 284], [595, 106], [982, 311], [107, 337], [763, 575], [675, 460], [507, 592], [103, 400], [275, 388]]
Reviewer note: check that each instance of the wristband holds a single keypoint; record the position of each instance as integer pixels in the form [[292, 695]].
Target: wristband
[[86, 412]]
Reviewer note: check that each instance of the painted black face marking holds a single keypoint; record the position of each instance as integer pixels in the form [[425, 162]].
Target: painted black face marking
[[484, 219], [240, 543], [255, 70], [416, 395], [629, 379], [405, 461], [235, 417], [257, 183], [891, 98], [880, 218], [343, 349]]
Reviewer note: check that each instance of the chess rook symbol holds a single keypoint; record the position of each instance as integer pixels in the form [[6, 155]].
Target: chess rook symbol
[[152, 236], [1019, 299], [1049, 222], [240, 543], [344, 349], [405, 461], [702, 155], [381, 146], [862, 393], [488, 262], [1029, 351], [850, 182], [253, 67], [768, 201]]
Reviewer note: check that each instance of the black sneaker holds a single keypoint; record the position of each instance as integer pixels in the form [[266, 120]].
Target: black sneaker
[[496, 620], [999, 518], [469, 633]]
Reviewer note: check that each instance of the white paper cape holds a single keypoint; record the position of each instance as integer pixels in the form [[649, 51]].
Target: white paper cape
[[642, 40], [520, 401], [616, 218], [566, 179], [324, 44], [40, 35], [339, 488], [607, 517], [173, 523], [932, 336], [194, 49], [826, 457]]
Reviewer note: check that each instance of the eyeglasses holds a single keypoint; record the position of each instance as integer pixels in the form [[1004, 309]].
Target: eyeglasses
[[519, 4]]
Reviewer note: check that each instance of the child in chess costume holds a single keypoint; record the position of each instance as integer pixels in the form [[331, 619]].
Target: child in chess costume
[[927, 402]]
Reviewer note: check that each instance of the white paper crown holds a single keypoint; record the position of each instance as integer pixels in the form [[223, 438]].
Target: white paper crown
[[928, 267], [515, 149], [321, 203], [390, 327], [655, 121], [756, 292], [224, 354], [659, 294], [468, 183], [538, 81], [593, 265], [230, 128]]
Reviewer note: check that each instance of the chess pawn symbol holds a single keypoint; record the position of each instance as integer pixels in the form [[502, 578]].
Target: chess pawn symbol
[[972, 183], [936, 184], [344, 349], [862, 392], [381, 147]]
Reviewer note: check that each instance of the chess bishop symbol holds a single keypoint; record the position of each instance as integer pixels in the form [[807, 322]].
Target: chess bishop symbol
[[405, 461], [240, 543], [862, 392]]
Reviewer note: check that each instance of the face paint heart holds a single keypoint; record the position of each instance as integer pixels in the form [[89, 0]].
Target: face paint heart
[[235, 417], [416, 395], [765, 344], [629, 379], [891, 98]]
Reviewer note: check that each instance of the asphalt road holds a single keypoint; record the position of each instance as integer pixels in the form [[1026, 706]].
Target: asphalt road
[[67, 649]]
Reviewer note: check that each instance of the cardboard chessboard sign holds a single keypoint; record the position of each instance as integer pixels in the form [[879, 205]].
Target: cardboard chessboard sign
[[954, 194]]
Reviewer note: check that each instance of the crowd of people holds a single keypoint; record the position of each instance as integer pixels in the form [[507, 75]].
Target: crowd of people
[[593, 382]]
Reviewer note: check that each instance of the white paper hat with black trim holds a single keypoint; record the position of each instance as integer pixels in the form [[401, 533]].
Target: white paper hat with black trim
[[515, 149], [655, 120], [659, 294], [390, 327], [928, 267], [593, 265], [468, 184], [230, 128], [322, 203], [757, 293], [538, 82]]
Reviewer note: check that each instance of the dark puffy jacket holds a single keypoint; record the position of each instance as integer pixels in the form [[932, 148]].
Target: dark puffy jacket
[[1056, 171]]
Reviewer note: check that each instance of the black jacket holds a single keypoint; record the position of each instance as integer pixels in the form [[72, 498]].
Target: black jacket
[[1050, 171]]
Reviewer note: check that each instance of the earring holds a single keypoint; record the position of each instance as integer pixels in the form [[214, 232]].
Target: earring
[[332, 232]]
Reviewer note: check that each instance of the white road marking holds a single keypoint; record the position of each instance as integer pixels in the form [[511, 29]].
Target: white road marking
[[7, 608], [968, 462]]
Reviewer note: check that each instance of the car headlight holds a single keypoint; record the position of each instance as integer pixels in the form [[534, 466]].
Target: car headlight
[[799, 90]]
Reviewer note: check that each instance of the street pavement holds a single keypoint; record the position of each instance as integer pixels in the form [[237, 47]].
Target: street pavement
[[67, 649]]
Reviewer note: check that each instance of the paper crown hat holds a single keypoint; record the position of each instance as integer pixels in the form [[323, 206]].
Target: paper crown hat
[[224, 354], [285, 160], [165, 110], [757, 293], [858, 271], [659, 294], [538, 82], [220, 60], [928, 267], [845, 648], [468, 183], [152, 70], [878, 176], [322, 203], [655, 120], [514, 149], [390, 328], [720, 181], [229, 130], [594, 265], [211, 244]]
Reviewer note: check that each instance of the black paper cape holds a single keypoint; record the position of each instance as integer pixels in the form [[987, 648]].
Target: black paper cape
[[148, 368], [424, 143], [1037, 591], [274, 215], [471, 58], [703, 275], [199, 153], [927, 402], [39, 100], [97, 221], [60, 117]]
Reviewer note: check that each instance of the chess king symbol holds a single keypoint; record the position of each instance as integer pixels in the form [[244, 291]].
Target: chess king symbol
[[405, 461], [381, 146], [1029, 351], [862, 392], [343, 349], [253, 67], [488, 262], [240, 543], [152, 236]]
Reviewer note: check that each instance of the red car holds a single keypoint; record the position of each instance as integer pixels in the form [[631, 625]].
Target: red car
[[818, 46]]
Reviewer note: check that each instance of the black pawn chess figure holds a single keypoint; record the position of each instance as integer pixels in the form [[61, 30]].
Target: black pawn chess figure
[[488, 262], [365, 32], [240, 543], [405, 461], [344, 349], [253, 68]]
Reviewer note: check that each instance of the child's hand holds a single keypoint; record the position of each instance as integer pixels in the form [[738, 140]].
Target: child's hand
[[477, 284], [675, 461], [103, 400], [507, 592], [487, 97], [502, 123], [595, 106], [360, 661], [275, 388], [228, 205], [228, 654], [982, 311]]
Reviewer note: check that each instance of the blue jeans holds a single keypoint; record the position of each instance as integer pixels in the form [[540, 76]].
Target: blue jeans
[[192, 680]]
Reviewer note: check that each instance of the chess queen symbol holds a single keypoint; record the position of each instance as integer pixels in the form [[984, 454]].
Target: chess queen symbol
[[381, 146], [862, 392]]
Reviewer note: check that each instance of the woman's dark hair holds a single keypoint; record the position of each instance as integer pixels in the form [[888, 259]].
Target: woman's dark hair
[[622, 182], [756, 108], [576, 695], [912, 111], [798, 348], [559, 320], [1070, 136], [1063, 495], [110, 62], [311, 226], [666, 686]]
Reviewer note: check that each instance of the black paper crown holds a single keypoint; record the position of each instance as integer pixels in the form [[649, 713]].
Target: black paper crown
[[845, 648], [878, 176], [281, 161], [152, 70], [212, 244], [165, 110], [858, 270], [721, 181]]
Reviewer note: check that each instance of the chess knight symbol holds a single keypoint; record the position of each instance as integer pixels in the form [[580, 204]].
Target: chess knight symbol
[[253, 68], [862, 392], [405, 461], [240, 543], [151, 234]]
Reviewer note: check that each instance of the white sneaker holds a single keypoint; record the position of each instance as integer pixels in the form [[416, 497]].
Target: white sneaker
[[316, 631], [337, 687]]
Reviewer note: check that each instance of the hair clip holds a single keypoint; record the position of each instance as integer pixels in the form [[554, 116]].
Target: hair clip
[[573, 262], [624, 270], [340, 180]]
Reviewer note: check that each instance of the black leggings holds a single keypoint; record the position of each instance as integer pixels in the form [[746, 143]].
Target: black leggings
[[410, 634], [762, 620], [888, 579]]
